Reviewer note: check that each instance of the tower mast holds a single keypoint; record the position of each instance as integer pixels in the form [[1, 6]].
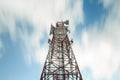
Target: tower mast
[[60, 63]]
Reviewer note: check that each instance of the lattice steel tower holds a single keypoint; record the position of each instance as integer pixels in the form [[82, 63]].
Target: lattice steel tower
[[60, 63]]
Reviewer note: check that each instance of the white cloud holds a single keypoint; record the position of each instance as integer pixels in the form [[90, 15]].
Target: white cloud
[[107, 3], [41, 13], [100, 51]]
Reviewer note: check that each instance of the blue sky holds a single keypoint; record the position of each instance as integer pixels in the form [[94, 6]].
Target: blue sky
[[24, 34]]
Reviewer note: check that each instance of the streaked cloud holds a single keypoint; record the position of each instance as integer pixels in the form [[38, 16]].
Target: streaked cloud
[[40, 13], [100, 48]]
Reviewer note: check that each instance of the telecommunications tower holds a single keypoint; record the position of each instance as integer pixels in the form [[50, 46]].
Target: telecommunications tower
[[60, 63]]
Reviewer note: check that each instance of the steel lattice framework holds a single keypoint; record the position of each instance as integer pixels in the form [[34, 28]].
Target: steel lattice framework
[[60, 63]]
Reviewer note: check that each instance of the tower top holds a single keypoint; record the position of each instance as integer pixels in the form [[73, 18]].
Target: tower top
[[60, 31], [61, 23]]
